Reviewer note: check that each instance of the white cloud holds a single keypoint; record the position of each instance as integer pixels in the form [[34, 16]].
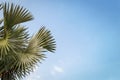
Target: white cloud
[[56, 70]]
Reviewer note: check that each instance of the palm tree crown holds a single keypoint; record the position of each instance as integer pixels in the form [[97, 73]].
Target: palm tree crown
[[19, 53]]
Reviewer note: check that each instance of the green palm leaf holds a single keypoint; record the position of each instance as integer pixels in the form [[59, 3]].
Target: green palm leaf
[[45, 39], [1, 20], [1, 6], [15, 42], [15, 14]]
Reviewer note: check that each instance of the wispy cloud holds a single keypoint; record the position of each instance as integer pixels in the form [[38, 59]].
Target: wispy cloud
[[56, 69]]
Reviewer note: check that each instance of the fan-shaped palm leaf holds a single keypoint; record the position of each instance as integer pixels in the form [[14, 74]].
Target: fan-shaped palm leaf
[[15, 41], [45, 40], [15, 14]]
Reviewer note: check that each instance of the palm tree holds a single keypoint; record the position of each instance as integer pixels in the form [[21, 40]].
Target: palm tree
[[19, 53]]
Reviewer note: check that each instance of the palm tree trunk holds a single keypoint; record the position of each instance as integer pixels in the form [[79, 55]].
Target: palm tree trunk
[[5, 76]]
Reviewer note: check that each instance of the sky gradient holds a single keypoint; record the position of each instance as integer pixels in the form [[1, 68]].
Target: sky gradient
[[87, 34]]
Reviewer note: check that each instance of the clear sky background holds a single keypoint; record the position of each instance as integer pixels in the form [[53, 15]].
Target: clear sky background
[[87, 34]]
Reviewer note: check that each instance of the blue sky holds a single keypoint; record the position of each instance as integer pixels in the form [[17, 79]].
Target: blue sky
[[87, 34]]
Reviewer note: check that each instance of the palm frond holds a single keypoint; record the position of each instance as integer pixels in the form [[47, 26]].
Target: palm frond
[[4, 47], [15, 14], [26, 63], [6, 63], [45, 39], [1, 32], [27, 60], [1, 6], [15, 42], [19, 37], [1, 20]]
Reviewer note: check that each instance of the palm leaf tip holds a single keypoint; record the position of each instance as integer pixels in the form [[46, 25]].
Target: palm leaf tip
[[1, 6], [15, 14], [46, 39]]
